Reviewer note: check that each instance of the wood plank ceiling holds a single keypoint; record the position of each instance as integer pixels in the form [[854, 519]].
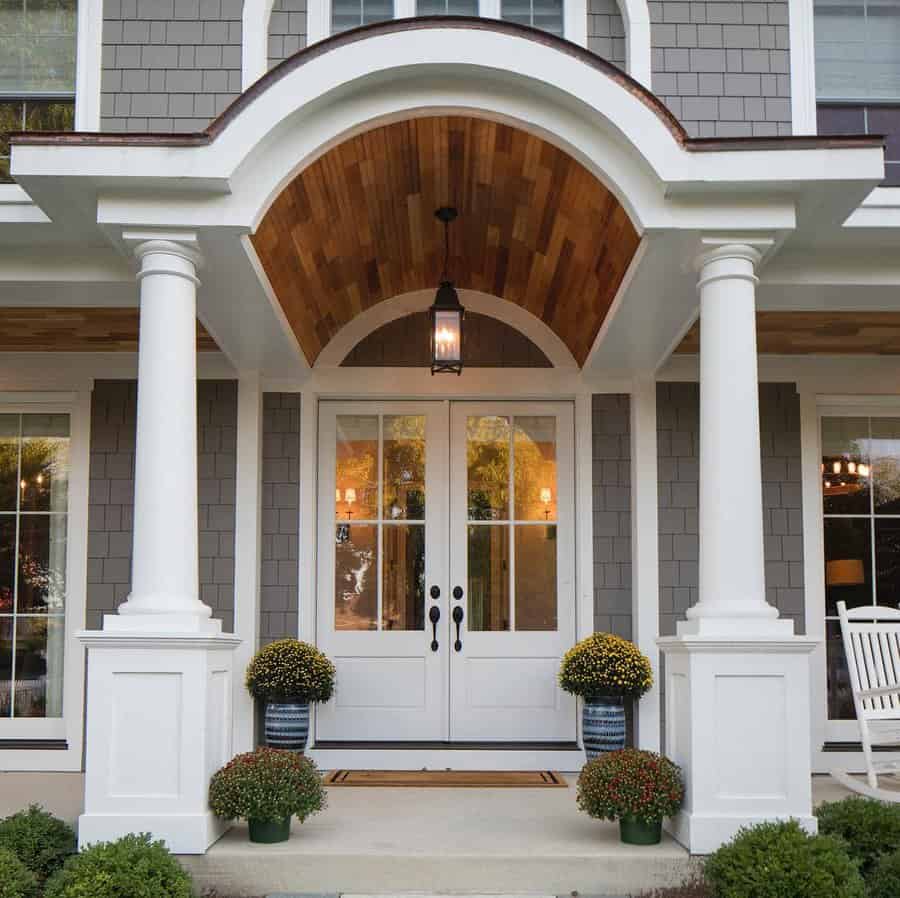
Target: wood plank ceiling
[[64, 329], [818, 333], [357, 227]]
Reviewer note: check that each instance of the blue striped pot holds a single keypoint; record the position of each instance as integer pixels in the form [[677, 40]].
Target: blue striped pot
[[287, 725], [603, 726]]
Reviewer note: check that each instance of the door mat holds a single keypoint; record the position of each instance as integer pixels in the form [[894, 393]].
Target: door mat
[[449, 779]]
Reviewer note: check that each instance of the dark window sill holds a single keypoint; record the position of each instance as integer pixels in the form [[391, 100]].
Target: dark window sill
[[33, 745], [856, 746]]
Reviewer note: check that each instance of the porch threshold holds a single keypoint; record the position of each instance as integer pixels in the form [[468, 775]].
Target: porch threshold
[[332, 745]]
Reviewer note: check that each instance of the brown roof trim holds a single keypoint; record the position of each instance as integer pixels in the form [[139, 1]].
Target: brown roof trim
[[427, 23]]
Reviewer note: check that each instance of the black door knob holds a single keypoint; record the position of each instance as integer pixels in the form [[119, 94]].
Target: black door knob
[[457, 619], [434, 615]]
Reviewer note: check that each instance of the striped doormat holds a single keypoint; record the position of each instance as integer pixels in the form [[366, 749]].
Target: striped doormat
[[449, 779]]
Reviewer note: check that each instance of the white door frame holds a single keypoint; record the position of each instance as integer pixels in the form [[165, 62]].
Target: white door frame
[[476, 384]]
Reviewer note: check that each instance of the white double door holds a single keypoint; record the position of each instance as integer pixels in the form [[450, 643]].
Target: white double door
[[446, 590]]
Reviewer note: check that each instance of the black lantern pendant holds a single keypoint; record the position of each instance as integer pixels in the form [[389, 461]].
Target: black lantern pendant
[[447, 312]]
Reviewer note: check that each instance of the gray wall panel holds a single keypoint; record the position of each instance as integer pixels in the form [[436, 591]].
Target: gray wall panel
[[111, 498], [287, 30], [606, 31]]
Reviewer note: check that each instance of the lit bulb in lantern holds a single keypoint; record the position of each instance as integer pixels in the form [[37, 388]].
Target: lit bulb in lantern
[[836, 467], [851, 467], [863, 470]]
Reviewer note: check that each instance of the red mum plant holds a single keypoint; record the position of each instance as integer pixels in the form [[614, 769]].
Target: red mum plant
[[631, 784]]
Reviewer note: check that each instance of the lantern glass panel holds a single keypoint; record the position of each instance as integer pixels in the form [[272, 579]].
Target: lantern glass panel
[[446, 335]]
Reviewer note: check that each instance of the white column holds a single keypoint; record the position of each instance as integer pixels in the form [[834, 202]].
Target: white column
[[645, 552], [732, 567], [160, 684], [165, 577], [247, 546], [737, 679]]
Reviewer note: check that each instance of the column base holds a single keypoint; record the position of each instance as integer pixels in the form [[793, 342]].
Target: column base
[[738, 724], [183, 833], [703, 834], [159, 725]]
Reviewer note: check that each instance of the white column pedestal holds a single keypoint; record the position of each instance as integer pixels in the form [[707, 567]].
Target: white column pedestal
[[159, 696], [159, 722], [737, 679], [738, 723]]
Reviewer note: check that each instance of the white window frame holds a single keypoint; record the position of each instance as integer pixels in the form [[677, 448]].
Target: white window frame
[[813, 408], [20, 739]]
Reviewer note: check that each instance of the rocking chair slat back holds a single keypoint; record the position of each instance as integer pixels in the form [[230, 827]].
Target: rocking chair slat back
[[871, 637]]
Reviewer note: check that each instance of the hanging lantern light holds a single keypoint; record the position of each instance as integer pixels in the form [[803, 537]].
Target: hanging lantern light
[[447, 313]]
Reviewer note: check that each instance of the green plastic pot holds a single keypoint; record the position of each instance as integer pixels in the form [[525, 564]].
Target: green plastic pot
[[638, 832], [268, 832]]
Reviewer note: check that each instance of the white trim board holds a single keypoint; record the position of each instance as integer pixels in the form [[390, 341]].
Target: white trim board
[[444, 759]]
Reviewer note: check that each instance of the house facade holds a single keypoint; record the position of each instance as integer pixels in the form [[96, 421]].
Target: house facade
[[218, 249]]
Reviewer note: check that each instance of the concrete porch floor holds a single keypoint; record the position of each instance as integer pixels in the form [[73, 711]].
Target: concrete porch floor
[[374, 840]]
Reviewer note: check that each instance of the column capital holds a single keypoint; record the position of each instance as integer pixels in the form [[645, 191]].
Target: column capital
[[175, 253], [739, 248]]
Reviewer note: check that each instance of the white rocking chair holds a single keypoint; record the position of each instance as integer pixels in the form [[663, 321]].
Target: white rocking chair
[[871, 638]]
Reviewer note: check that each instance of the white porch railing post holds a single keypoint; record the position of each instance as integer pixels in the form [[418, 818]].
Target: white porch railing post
[[737, 679], [159, 700]]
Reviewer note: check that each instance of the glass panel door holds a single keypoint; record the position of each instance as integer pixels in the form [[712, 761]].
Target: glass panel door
[[512, 564], [382, 532]]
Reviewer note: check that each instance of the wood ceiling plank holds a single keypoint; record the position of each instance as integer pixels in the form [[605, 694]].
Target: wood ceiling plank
[[356, 227]]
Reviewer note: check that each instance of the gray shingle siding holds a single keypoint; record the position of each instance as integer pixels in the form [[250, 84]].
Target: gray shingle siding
[[723, 68], [111, 498], [169, 65], [279, 568], [611, 456], [606, 31], [678, 424], [287, 30]]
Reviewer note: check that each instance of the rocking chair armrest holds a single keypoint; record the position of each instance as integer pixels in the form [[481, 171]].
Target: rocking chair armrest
[[882, 690]]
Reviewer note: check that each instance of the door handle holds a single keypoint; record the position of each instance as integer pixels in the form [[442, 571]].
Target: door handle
[[434, 615], [457, 619]]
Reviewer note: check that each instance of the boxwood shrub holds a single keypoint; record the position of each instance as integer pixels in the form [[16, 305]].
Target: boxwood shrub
[[870, 828], [16, 880], [884, 880], [39, 840], [780, 860], [131, 867]]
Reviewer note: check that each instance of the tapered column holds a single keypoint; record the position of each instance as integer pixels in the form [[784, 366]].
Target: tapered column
[[732, 568], [165, 577]]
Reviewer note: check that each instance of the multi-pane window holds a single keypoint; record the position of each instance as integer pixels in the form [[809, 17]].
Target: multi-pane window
[[379, 527], [857, 49], [544, 14], [512, 522], [447, 7], [37, 68], [346, 14], [34, 476], [861, 503]]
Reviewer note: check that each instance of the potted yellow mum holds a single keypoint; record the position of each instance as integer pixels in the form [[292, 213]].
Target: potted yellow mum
[[603, 670]]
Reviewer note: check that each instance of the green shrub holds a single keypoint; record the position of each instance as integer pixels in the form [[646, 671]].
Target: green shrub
[[630, 783], [267, 785], [290, 670], [39, 840], [780, 860], [131, 867], [16, 880], [870, 828], [884, 880]]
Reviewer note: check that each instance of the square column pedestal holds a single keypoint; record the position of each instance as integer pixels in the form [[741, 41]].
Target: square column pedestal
[[158, 726], [738, 724]]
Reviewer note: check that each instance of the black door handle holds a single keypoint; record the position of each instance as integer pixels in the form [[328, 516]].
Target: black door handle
[[457, 619], [434, 615]]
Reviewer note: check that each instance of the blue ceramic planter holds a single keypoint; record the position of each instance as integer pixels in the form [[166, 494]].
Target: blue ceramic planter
[[287, 725], [603, 726]]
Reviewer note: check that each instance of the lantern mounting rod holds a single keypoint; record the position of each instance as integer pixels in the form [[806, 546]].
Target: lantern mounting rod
[[446, 215]]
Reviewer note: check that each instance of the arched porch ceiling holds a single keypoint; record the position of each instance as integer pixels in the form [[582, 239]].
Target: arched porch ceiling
[[356, 228]]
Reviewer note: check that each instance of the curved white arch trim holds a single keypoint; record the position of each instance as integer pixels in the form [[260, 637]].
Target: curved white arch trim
[[419, 300], [636, 16], [255, 40]]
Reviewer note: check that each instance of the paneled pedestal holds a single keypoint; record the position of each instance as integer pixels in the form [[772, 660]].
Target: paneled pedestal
[[158, 727], [738, 723]]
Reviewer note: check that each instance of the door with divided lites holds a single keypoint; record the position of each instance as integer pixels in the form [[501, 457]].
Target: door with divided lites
[[446, 592]]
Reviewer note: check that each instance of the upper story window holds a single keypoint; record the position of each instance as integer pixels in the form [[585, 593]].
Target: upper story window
[[346, 14], [447, 7], [544, 14], [857, 50], [37, 68]]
